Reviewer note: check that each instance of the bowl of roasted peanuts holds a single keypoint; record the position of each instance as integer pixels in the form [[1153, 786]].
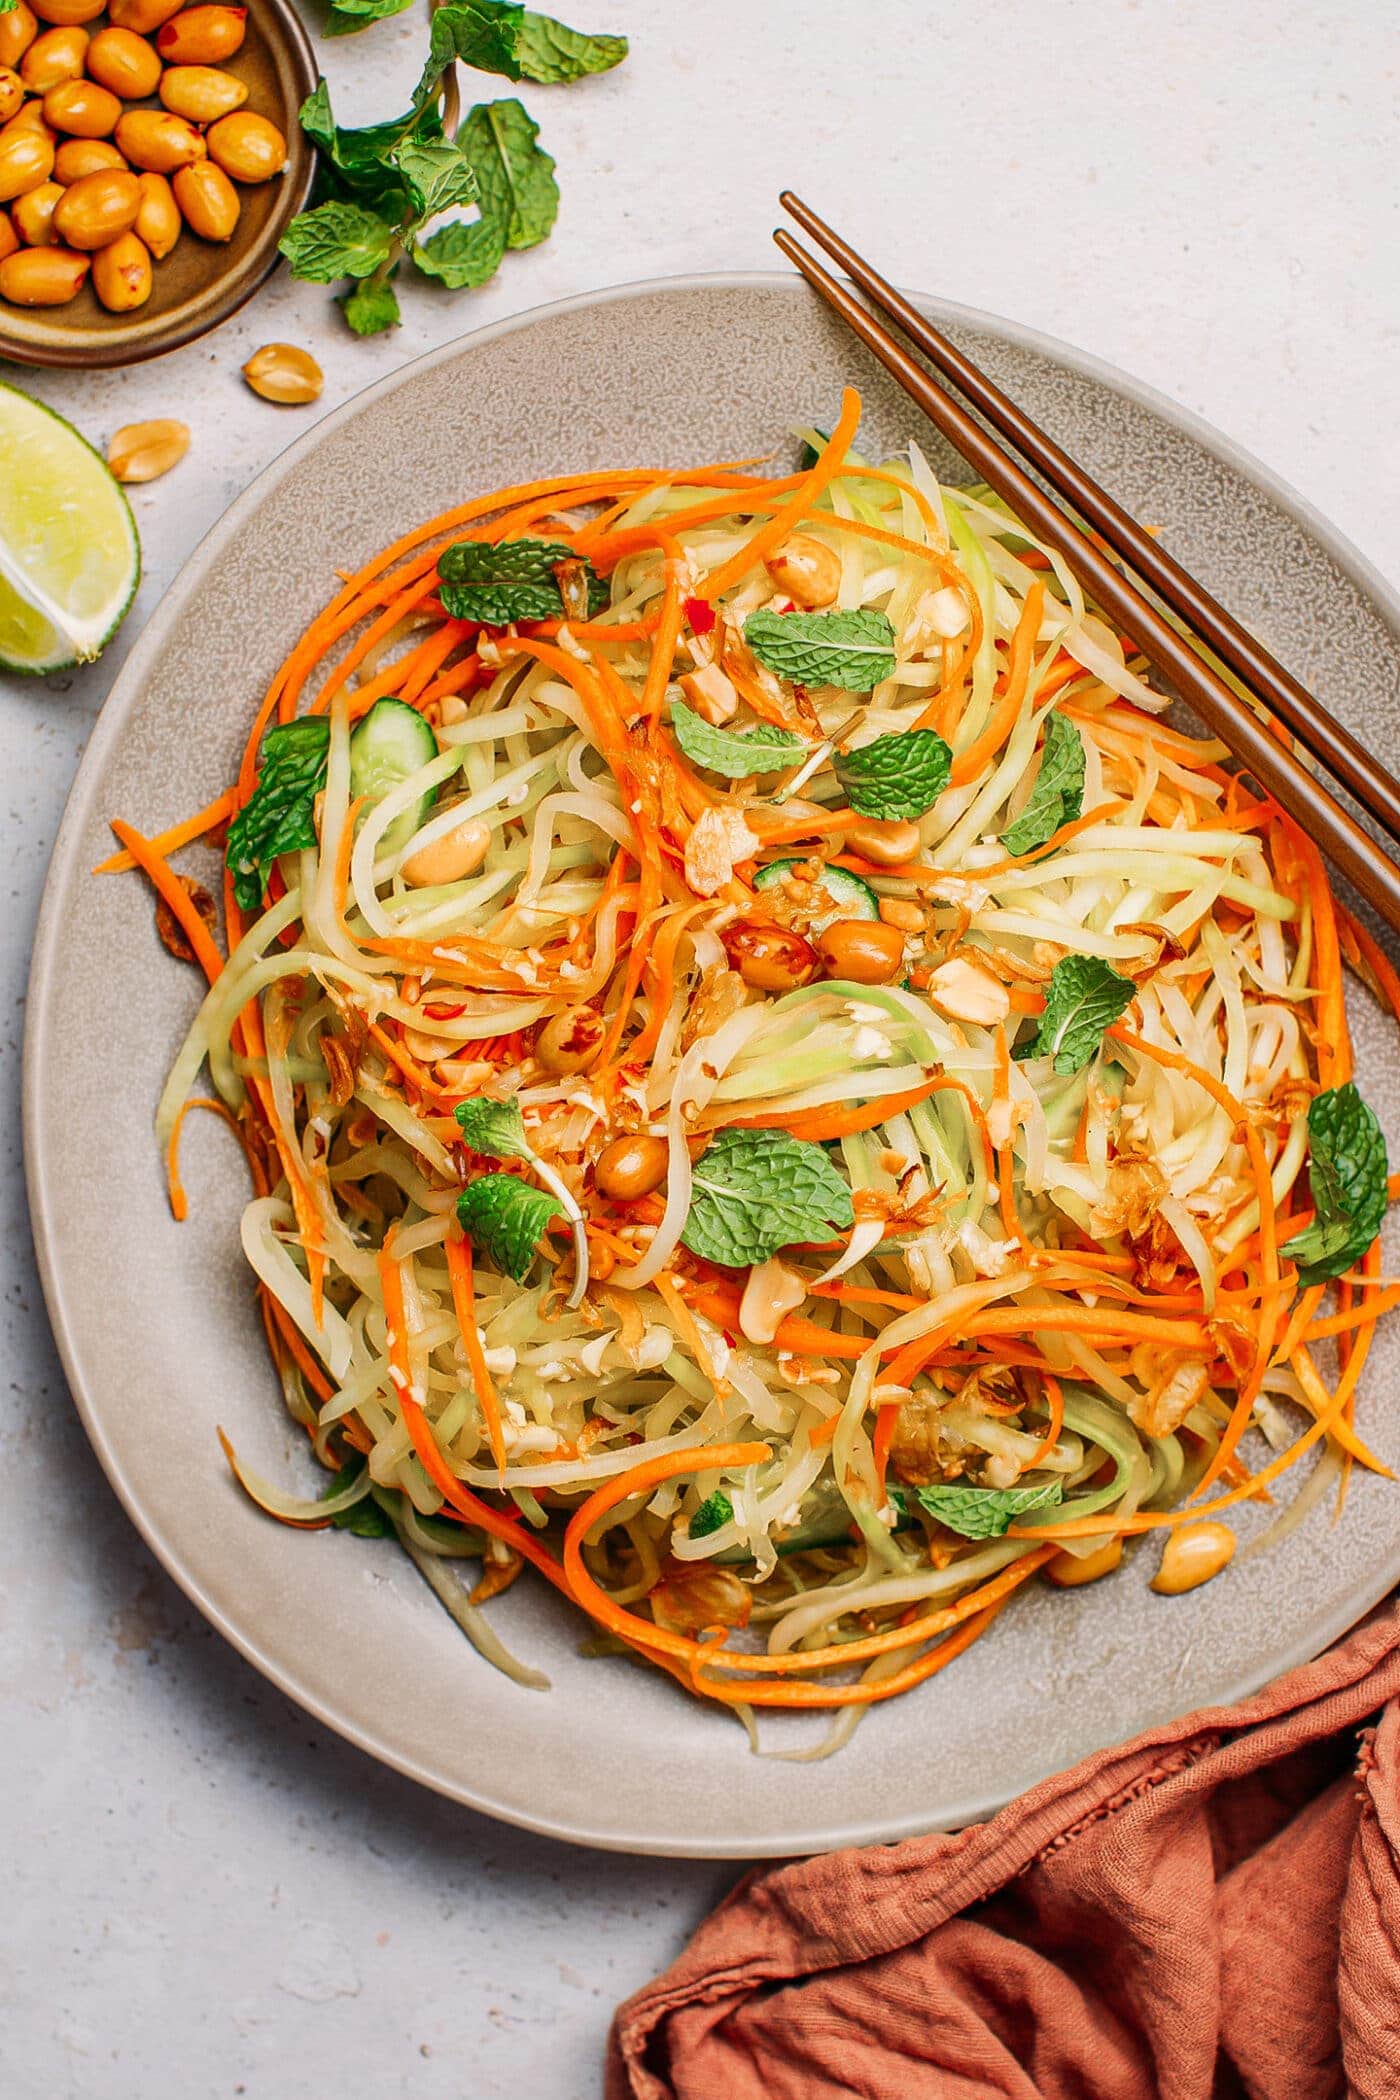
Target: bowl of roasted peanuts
[[150, 161]]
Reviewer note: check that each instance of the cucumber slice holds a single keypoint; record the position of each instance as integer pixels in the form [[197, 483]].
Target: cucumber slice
[[850, 897], [392, 741]]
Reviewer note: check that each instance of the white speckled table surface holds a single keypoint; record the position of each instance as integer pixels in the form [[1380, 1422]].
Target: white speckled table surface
[[207, 1894]]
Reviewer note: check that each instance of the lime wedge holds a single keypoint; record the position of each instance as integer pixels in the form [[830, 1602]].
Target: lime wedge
[[70, 559]]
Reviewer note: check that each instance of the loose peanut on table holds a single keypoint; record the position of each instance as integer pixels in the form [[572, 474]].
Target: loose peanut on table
[[281, 372], [144, 451]]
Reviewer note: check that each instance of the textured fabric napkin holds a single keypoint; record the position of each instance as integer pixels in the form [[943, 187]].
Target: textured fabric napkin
[[1212, 1910]]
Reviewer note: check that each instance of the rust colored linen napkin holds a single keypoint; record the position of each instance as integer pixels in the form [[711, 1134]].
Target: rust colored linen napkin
[[1212, 1910]]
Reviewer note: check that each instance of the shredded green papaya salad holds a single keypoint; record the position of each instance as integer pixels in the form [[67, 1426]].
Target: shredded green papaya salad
[[780, 1093]]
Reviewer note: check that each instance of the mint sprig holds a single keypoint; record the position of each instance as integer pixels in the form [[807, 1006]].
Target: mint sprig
[[1057, 796], [899, 776], [494, 1128], [852, 650], [754, 1191], [736, 753], [1083, 998], [383, 189], [278, 816], [1348, 1173], [985, 1513], [497, 582]]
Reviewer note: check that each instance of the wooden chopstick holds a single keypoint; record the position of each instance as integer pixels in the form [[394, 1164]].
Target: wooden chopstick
[[1327, 739], [1273, 764]]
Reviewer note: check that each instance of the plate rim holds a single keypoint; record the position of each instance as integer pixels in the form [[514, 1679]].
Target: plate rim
[[111, 722]]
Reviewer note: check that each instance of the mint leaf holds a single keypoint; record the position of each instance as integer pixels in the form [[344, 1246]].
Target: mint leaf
[[461, 257], [336, 240], [985, 1513], [852, 650], [277, 817], [1083, 998], [495, 583], [1347, 1172], [364, 1520], [481, 33], [550, 52], [349, 15], [516, 179], [370, 308], [506, 1219], [437, 175], [494, 1127], [1057, 796], [315, 117], [754, 1191], [716, 1510], [901, 775], [737, 754]]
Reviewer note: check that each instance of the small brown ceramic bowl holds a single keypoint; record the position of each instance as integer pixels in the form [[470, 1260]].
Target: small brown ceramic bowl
[[200, 283]]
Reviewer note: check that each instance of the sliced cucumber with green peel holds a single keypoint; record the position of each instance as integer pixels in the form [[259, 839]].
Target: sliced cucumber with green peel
[[70, 558], [850, 897], [392, 742]]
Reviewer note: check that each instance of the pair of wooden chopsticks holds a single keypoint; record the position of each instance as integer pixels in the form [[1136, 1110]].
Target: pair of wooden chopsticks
[[1273, 763]]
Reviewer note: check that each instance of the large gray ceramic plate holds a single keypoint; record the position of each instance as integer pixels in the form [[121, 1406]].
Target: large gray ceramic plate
[[156, 1321]]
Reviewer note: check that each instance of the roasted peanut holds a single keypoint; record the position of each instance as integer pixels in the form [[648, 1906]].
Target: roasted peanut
[[885, 841], [66, 12], [26, 160], [631, 1167], [78, 157], [865, 951], [247, 147], [201, 36], [56, 56], [30, 117], [207, 200], [11, 94], [158, 219], [125, 63], [33, 214], [457, 853], [142, 16], [9, 239], [965, 992], [898, 911], [282, 373], [771, 1293], [770, 958], [571, 1040], [201, 93], [1191, 1556], [154, 139], [42, 276], [97, 208], [145, 451], [806, 569], [18, 30], [121, 274], [82, 109], [1068, 1570]]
